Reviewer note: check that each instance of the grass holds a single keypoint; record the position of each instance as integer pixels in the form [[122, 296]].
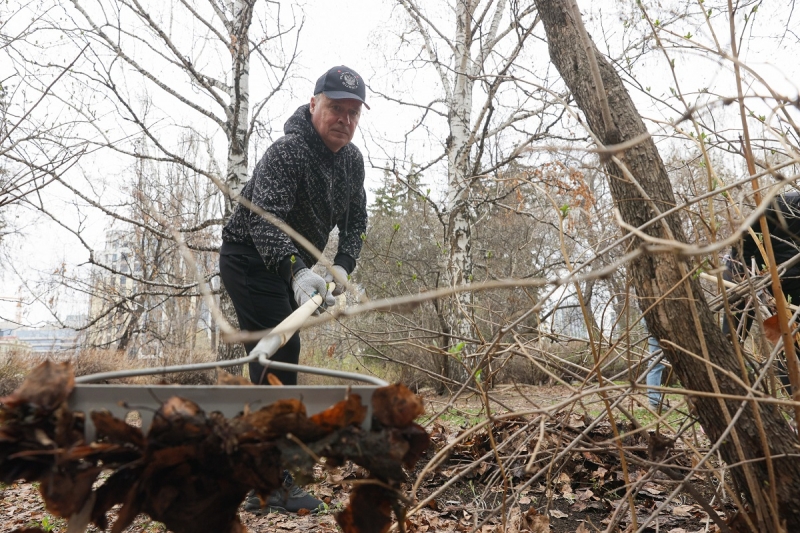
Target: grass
[[13, 368], [463, 418], [348, 363], [331, 509], [48, 523], [645, 416]]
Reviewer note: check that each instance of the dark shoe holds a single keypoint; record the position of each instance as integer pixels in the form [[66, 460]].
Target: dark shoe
[[253, 503], [287, 499], [291, 498]]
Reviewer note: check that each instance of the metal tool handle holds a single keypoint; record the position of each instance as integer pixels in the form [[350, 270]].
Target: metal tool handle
[[265, 349]]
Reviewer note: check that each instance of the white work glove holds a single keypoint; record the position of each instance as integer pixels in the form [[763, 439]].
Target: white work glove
[[338, 275], [306, 284]]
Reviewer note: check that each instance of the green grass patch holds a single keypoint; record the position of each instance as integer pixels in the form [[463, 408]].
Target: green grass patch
[[463, 418], [361, 364], [48, 523]]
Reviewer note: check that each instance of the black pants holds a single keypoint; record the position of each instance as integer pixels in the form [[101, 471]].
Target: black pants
[[261, 300]]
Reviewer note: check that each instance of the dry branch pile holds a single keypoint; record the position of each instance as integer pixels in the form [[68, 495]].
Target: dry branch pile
[[192, 469]]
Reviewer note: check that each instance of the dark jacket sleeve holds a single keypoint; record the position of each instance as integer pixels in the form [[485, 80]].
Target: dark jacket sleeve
[[353, 224], [274, 191], [783, 221]]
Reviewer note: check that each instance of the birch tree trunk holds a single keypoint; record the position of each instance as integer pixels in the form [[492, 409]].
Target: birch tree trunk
[[237, 132], [466, 62], [760, 446], [457, 204], [238, 109]]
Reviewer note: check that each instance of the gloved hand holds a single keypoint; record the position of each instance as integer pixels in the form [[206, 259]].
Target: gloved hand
[[339, 277], [306, 283]]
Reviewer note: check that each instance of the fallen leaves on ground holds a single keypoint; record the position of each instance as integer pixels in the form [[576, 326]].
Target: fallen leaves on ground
[[192, 469]]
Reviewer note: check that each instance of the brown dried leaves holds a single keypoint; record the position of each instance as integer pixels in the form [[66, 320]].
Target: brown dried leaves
[[192, 470], [46, 387], [396, 406], [370, 510]]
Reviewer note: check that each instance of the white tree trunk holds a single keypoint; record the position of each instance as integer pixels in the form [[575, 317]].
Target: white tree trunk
[[471, 46], [457, 206], [237, 112], [239, 100]]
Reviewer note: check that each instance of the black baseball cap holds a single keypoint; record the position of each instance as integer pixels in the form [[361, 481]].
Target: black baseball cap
[[342, 82]]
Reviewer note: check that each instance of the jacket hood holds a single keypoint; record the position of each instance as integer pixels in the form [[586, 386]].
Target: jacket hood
[[300, 124]]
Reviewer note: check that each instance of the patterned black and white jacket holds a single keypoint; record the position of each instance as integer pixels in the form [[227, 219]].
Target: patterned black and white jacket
[[312, 189]]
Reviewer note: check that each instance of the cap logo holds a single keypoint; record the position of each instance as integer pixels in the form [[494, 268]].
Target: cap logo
[[349, 80]]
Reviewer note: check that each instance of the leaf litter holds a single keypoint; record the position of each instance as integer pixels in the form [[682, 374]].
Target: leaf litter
[[579, 494], [192, 469]]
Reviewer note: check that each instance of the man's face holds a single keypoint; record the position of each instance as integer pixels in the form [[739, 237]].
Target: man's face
[[335, 120]]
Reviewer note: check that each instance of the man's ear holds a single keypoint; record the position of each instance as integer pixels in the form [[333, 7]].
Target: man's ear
[[313, 104]]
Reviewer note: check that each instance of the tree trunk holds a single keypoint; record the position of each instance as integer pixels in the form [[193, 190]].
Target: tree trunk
[[236, 129], [457, 203], [761, 446]]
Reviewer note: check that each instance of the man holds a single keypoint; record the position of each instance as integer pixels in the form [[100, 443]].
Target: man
[[312, 178], [783, 221]]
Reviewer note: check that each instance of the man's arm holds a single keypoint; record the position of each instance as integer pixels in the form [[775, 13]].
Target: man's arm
[[274, 191], [353, 224]]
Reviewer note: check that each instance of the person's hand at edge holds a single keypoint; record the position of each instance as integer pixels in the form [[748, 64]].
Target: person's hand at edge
[[338, 275], [306, 283]]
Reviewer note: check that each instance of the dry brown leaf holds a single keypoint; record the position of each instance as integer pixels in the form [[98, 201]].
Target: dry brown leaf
[[116, 431], [514, 520], [369, 510], [582, 528], [683, 510], [659, 446], [226, 378], [273, 380], [179, 408], [66, 491], [418, 441], [396, 406], [276, 420], [47, 386], [535, 522], [345, 413], [772, 330]]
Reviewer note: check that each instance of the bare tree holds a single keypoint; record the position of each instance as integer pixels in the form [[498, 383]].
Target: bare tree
[[35, 146], [753, 437], [470, 51], [158, 74]]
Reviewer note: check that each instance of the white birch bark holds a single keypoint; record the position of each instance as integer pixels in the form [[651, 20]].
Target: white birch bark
[[237, 112], [458, 210], [457, 207], [238, 108]]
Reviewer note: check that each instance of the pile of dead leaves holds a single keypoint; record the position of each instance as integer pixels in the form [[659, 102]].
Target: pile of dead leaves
[[192, 469]]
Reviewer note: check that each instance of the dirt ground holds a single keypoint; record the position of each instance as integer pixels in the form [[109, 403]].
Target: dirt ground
[[579, 498]]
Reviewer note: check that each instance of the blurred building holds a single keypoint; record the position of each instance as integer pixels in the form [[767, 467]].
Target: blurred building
[[136, 304], [47, 340]]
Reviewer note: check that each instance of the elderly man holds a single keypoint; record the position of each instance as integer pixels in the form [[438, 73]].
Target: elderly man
[[312, 178]]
